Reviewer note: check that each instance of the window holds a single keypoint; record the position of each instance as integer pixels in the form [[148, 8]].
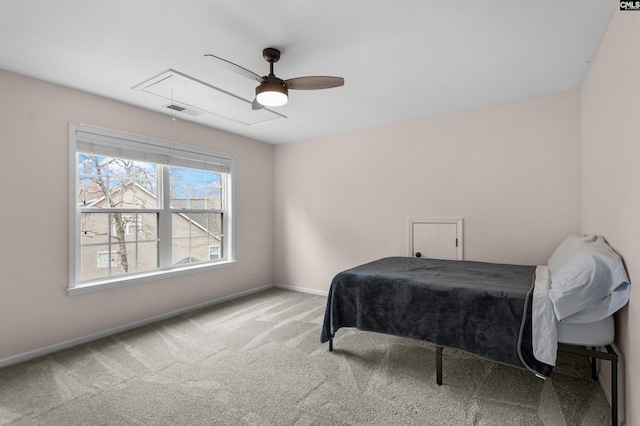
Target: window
[[145, 208]]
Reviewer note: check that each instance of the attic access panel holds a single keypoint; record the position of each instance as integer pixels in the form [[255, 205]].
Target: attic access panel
[[186, 95]]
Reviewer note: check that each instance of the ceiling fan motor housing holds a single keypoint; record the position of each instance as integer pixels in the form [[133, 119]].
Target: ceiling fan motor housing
[[272, 92]]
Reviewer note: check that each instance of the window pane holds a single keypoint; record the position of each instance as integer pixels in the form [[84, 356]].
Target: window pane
[[211, 222], [148, 223], [200, 248], [181, 228], [126, 224], [180, 225], [147, 256], [181, 251], [135, 257], [195, 189], [95, 262], [134, 243], [212, 191], [193, 236], [187, 224], [132, 226], [119, 227], [94, 228], [116, 182]]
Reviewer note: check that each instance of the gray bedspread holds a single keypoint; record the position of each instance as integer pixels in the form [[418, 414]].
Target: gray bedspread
[[481, 308]]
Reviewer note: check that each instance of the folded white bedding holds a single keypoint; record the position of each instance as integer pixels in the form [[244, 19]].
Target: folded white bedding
[[590, 284], [547, 331], [544, 323], [575, 297]]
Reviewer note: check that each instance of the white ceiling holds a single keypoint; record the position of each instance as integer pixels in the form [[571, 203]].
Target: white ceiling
[[401, 60]]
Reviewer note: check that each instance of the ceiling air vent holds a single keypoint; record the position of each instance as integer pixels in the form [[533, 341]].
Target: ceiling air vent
[[190, 96], [175, 107], [185, 110]]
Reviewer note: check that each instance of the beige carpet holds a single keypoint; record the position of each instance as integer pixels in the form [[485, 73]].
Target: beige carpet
[[258, 361]]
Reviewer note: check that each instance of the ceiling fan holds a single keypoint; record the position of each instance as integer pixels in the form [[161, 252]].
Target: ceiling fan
[[272, 90]]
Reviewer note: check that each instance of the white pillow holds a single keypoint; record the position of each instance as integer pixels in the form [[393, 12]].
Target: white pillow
[[566, 249], [587, 277]]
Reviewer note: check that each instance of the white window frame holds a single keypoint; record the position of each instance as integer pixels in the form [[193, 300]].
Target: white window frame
[[83, 138]]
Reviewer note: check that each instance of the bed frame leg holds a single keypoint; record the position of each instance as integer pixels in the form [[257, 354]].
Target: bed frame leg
[[610, 356], [439, 365], [331, 345], [614, 385]]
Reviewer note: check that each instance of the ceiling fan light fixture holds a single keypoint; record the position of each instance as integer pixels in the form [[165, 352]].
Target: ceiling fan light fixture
[[273, 91], [272, 94]]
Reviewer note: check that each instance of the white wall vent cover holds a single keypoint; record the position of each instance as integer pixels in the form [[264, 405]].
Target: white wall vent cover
[[187, 95]]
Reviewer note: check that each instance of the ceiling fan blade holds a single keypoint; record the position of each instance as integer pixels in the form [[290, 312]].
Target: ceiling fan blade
[[256, 105], [314, 83], [234, 67]]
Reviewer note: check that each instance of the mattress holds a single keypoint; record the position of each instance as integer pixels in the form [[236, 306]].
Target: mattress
[[599, 333], [481, 308]]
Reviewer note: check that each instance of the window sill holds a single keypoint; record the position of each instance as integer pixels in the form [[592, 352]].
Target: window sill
[[107, 284]]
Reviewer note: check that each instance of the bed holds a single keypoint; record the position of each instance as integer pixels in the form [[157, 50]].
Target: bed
[[514, 314]]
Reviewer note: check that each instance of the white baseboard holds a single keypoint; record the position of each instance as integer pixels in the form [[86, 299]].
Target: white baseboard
[[74, 342], [302, 290]]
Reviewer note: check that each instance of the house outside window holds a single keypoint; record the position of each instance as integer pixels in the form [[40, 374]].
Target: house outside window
[[146, 208]]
